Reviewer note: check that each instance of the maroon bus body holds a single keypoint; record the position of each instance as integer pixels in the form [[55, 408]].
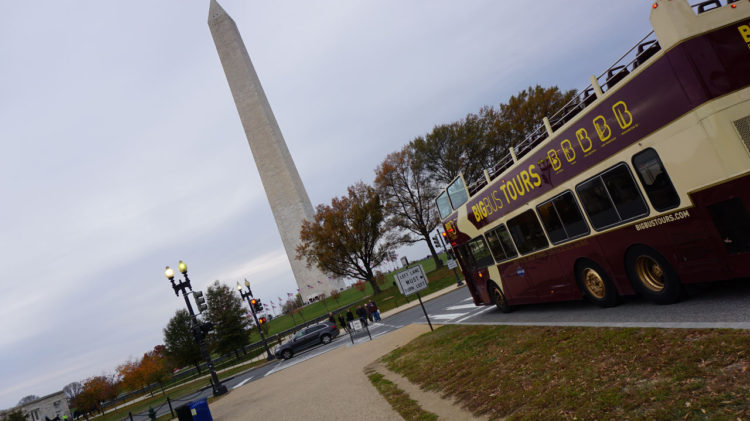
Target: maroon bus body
[[692, 73]]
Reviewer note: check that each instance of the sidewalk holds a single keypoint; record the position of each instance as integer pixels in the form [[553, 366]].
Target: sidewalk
[[329, 386]]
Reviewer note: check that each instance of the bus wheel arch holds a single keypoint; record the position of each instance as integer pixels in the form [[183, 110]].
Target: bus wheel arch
[[595, 283], [498, 297], [651, 275]]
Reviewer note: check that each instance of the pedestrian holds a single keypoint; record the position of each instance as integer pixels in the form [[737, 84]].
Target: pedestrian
[[342, 323], [331, 318], [362, 313], [369, 313], [374, 310], [349, 318]]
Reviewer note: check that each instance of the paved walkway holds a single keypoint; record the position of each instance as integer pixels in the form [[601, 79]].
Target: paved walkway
[[332, 386], [328, 387]]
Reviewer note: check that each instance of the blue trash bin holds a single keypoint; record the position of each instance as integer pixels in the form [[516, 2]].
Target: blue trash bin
[[199, 410]]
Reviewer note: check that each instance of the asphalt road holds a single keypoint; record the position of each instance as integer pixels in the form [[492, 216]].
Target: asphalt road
[[715, 305]]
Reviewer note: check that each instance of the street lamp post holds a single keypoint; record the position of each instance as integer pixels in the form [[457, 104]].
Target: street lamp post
[[248, 295], [196, 326]]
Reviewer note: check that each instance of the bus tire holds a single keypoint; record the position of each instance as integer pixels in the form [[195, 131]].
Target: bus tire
[[652, 276], [595, 283], [498, 298]]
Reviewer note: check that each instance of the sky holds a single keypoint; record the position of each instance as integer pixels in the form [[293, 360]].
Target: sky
[[122, 151]]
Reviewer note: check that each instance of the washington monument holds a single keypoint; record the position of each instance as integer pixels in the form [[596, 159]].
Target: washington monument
[[286, 193]]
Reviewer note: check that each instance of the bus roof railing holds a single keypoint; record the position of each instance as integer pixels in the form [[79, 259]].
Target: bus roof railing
[[622, 67]]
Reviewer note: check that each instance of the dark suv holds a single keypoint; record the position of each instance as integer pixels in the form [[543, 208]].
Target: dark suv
[[321, 333]]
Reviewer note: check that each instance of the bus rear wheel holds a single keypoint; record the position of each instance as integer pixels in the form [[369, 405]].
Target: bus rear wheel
[[652, 276], [498, 298], [595, 283]]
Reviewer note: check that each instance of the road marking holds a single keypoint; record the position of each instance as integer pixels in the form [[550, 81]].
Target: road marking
[[467, 299], [461, 307], [447, 316], [476, 313], [243, 382]]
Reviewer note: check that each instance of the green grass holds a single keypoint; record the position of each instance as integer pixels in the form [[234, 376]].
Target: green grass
[[399, 400], [520, 372]]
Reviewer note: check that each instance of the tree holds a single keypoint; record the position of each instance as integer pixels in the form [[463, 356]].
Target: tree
[[15, 414], [97, 390], [348, 237], [408, 193], [524, 111], [229, 318], [72, 390], [27, 399], [335, 294], [178, 338]]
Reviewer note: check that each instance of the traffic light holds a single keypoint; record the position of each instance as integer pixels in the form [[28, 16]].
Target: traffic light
[[206, 327], [258, 305], [254, 304], [436, 241], [445, 234], [200, 301], [262, 320]]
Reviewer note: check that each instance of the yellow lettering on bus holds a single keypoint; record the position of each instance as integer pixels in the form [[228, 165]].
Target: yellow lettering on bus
[[498, 202], [584, 140], [552, 155], [477, 215], [526, 182], [602, 128], [567, 148], [512, 189], [503, 187], [624, 118], [745, 32], [537, 180]]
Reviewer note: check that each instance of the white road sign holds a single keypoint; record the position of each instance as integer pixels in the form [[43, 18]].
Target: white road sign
[[411, 280], [451, 264]]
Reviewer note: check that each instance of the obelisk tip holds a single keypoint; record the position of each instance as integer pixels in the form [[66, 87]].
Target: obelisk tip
[[215, 10]]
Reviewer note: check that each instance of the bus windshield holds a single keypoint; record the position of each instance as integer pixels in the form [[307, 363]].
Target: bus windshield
[[457, 193], [443, 205]]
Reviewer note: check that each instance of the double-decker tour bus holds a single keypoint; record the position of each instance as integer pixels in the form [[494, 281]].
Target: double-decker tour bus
[[639, 185]]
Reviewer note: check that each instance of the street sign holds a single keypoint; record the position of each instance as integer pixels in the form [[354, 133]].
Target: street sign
[[355, 325], [451, 264], [411, 280], [404, 261]]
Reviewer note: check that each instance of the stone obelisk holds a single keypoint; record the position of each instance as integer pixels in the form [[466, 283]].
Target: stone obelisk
[[286, 194]]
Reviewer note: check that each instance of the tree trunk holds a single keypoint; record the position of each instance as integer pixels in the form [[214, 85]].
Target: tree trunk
[[375, 286], [438, 262]]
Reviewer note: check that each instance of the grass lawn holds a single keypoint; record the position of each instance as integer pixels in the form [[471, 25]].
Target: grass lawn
[[522, 372], [399, 400]]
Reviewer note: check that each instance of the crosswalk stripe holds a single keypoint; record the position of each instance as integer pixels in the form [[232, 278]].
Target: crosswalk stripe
[[461, 307], [447, 316], [243, 382]]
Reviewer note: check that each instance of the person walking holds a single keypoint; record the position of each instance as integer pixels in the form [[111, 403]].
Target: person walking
[[349, 318], [331, 318], [342, 323], [374, 310], [362, 313]]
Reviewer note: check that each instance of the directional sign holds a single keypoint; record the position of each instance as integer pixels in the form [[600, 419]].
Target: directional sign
[[411, 280]]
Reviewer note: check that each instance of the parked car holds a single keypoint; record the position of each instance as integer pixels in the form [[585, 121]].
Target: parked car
[[322, 333]]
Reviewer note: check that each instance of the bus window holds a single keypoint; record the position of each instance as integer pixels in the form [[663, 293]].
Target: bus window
[[625, 194], [611, 197], [457, 193], [443, 205], [655, 180], [480, 254], [500, 244], [562, 218], [527, 233]]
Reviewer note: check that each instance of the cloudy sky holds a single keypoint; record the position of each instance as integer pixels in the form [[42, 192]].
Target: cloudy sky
[[122, 151]]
